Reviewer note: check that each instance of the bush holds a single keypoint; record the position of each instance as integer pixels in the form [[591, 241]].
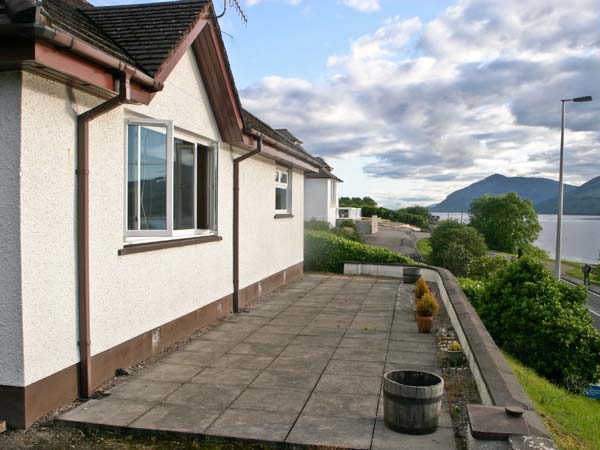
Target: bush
[[427, 306], [418, 211], [326, 252], [484, 266], [473, 289], [421, 288], [454, 245], [319, 225], [346, 233], [395, 216], [347, 224], [535, 252], [542, 321]]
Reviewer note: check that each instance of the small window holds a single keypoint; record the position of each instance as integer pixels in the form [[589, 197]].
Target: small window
[[282, 191], [171, 182]]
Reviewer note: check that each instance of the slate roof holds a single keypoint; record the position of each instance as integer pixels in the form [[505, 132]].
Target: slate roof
[[253, 122], [143, 35], [324, 171], [288, 134], [147, 32]]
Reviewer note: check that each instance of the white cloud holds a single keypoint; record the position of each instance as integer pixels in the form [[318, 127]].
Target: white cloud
[[362, 5], [436, 105]]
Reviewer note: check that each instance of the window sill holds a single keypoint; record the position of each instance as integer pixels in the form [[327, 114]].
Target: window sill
[[283, 216], [167, 243]]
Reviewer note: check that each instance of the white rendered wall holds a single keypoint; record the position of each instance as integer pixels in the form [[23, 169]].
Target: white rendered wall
[[267, 245], [135, 293], [316, 206], [11, 323]]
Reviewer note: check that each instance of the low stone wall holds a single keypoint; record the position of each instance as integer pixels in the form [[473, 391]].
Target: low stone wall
[[491, 427]]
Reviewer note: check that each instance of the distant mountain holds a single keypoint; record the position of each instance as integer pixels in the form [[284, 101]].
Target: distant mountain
[[535, 189], [584, 200]]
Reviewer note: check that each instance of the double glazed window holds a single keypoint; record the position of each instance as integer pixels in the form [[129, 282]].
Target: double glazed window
[[171, 182], [282, 190]]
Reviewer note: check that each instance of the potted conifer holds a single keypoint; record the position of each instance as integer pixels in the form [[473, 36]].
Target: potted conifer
[[427, 307]]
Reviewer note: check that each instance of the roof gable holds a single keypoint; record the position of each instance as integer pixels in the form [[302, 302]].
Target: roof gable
[[149, 33]]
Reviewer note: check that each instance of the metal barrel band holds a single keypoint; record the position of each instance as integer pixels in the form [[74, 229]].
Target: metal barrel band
[[405, 430], [411, 401]]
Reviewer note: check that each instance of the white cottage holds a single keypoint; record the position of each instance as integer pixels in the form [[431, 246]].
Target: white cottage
[[139, 201], [321, 194]]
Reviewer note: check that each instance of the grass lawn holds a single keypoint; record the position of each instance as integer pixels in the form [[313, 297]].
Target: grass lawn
[[424, 248], [571, 419]]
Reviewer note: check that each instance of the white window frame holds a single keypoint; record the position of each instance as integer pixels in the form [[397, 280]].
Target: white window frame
[[280, 170], [135, 236]]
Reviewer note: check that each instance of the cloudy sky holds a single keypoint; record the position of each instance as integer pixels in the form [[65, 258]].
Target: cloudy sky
[[411, 100]]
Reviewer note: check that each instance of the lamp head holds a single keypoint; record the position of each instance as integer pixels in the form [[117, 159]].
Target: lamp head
[[583, 99]]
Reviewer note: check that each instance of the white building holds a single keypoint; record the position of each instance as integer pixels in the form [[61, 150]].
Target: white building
[[139, 201], [321, 194]]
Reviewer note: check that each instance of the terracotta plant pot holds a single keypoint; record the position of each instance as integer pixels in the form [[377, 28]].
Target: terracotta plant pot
[[424, 324]]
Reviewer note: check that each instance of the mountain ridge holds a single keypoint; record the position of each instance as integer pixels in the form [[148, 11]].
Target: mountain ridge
[[583, 200], [536, 189]]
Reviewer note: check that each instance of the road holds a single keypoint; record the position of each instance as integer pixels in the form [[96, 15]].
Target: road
[[399, 241], [404, 242]]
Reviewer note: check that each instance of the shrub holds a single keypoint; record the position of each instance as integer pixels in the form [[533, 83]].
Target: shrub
[[395, 216], [473, 289], [326, 252], [427, 306], [535, 252], [455, 346], [542, 322], [319, 225], [484, 266], [421, 288], [454, 245], [346, 233], [347, 224], [418, 211]]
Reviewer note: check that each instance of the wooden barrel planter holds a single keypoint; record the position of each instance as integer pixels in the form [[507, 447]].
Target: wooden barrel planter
[[410, 275], [412, 401]]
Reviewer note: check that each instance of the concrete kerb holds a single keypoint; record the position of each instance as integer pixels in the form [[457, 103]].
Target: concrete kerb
[[496, 383]]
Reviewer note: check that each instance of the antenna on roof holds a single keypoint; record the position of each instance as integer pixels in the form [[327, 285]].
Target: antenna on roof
[[235, 4]]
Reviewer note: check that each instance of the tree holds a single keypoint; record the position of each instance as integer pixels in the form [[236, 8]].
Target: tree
[[357, 202], [454, 245], [506, 221]]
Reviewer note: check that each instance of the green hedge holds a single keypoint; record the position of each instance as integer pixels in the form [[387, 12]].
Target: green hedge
[[395, 216], [326, 252], [541, 321]]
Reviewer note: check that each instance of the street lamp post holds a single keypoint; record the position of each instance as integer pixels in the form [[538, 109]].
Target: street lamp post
[[560, 183]]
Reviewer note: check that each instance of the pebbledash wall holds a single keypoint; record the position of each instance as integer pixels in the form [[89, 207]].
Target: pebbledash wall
[[131, 295], [317, 206]]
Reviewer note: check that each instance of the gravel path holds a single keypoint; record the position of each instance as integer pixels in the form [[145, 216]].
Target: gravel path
[[400, 241]]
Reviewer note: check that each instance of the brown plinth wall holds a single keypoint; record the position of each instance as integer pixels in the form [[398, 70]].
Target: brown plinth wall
[[22, 406]]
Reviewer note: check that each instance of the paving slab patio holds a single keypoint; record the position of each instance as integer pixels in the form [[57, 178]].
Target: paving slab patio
[[303, 367]]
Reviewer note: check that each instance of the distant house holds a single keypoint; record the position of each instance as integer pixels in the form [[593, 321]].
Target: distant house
[[321, 194], [139, 200]]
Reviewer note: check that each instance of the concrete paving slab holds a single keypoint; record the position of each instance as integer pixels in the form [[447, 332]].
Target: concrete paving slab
[[360, 354], [232, 361], [290, 379], [302, 364], [193, 419], [209, 395], [146, 390], [206, 346], [363, 368], [108, 411], [311, 330], [386, 439], [274, 400], [271, 427], [270, 328], [201, 359], [215, 375], [175, 373], [250, 348], [262, 337], [341, 432], [349, 384], [316, 341], [342, 405], [303, 351]]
